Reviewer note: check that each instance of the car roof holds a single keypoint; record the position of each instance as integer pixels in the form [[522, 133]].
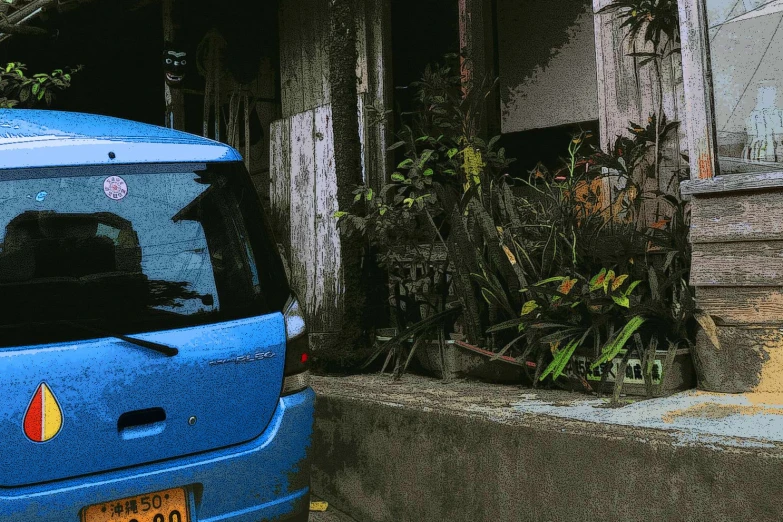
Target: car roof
[[43, 138]]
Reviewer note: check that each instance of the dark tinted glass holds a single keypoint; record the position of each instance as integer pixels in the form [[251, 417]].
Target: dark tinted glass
[[132, 252]]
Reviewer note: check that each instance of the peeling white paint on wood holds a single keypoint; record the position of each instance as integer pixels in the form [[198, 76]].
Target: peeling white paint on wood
[[279, 178], [328, 282], [304, 194], [302, 178]]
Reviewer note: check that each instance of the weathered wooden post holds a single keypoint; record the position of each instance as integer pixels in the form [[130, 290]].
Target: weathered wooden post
[[347, 159], [175, 98]]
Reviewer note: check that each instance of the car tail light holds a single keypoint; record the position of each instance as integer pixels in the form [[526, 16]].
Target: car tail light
[[297, 352]]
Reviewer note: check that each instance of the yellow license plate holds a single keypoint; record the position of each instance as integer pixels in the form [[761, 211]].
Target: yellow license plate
[[162, 506]]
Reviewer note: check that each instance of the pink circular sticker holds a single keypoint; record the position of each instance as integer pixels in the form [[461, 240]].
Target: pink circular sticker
[[115, 188]]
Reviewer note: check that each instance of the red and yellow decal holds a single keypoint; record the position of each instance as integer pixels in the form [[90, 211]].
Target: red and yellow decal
[[43, 418]]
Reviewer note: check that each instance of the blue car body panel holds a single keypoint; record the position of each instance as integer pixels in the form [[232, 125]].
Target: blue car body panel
[[263, 479], [39, 138], [238, 447], [96, 381]]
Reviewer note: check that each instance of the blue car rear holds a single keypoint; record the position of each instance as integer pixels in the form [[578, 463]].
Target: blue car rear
[[152, 357]]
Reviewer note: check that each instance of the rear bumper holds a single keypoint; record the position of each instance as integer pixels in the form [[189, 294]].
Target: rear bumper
[[267, 478]]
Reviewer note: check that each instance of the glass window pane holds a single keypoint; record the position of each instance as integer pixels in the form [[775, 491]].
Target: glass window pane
[[746, 47], [131, 253]]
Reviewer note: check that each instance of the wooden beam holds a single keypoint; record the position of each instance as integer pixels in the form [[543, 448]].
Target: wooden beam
[[379, 164], [733, 183], [175, 98], [737, 217], [347, 152], [739, 263], [477, 49], [742, 306], [697, 77]]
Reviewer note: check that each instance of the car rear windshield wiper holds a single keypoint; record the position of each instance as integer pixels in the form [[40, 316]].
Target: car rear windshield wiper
[[169, 351]]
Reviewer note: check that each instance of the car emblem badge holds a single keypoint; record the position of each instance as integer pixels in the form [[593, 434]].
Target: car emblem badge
[[44, 418]]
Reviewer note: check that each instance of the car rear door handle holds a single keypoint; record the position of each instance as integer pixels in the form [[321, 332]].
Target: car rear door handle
[[141, 423]]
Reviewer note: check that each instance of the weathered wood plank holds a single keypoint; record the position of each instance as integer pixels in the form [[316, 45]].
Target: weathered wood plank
[[737, 217], [733, 183], [302, 260], [618, 93], [751, 263], [742, 305], [362, 116], [311, 68], [321, 43], [280, 180], [362, 75], [326, 313], [380, 133], [290, 58], [696, 76]]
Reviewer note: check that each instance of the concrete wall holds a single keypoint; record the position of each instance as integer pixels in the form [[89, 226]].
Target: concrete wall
[[389, 453], [547, 63]]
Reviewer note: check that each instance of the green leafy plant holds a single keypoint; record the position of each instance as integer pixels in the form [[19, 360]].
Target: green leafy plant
[[19, 90], [566, 313]]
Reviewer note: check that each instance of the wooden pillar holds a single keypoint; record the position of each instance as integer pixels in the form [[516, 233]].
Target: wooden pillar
[[379, 130], [342, 50], [477, 50], [628, 92], [175, 98]]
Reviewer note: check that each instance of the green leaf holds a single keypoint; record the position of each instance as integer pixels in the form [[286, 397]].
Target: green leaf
[[36, 88], [613, 347], [428, 172], [368, 196], [383, 210], [340, 214], [405, 163], [559, 361], [621, 301], [397, 177], [452, 152], [505, 348], [529, 307], [597, 280], [425, 156], [631, 288], [551, 280], [504, 325], [357, 197]]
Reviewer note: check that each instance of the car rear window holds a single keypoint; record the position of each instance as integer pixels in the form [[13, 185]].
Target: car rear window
[[129, 251]]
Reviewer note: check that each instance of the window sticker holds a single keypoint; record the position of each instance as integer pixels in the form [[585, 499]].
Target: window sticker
[[115, 188]]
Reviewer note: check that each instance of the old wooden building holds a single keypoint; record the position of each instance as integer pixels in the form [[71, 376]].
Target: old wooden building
[[326, 69]]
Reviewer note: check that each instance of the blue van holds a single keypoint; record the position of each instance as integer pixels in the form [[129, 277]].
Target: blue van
[[153, 361]]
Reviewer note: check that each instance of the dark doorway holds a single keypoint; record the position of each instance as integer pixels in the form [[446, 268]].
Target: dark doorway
[[423, 32]]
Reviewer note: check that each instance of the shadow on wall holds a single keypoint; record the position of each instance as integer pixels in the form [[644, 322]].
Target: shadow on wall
[[547, 63]]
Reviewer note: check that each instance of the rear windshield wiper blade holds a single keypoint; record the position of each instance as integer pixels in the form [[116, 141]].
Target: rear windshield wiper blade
[[166, 350]]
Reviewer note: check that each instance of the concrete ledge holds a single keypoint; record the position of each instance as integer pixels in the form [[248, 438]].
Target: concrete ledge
[[426, 451]]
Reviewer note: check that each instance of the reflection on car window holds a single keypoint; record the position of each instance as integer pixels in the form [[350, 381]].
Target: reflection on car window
[[126, 253]]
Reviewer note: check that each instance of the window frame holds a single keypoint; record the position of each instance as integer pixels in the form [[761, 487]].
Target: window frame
[[700, 122]]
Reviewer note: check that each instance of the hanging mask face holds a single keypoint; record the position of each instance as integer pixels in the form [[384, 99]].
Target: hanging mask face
[[174, 66]]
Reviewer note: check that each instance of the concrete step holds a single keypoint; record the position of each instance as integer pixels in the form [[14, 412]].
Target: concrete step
[[420, 450]]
